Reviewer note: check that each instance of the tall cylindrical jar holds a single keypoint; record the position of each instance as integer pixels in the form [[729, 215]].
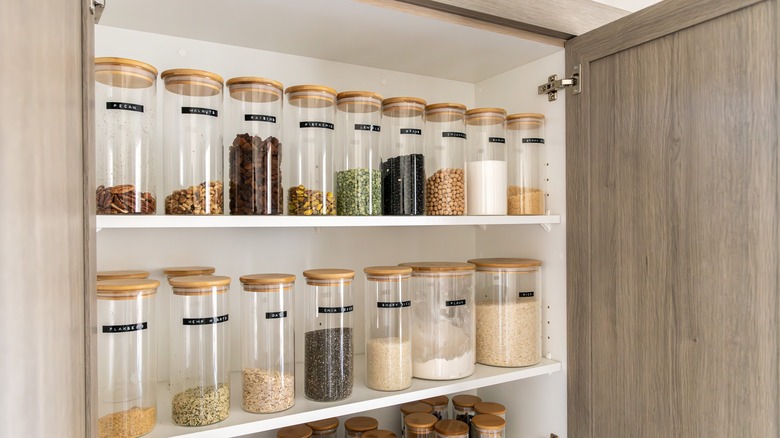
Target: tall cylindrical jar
[[200, 339], [328, 338], [420, 425], [129, 274], [486, 167], [402, 156], [445, 149], [125, 132], [326, 428], [192, 141], [509, 311], [127, 359], [388, 328], [487, 426], [451, 429], [267, 343], [357, 427], [525, 194], [443, 341], [254, 126], [358, 178], [312, 108]]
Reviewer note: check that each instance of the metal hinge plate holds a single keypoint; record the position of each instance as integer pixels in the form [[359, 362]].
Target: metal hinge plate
[[554, 84], [96, 7]]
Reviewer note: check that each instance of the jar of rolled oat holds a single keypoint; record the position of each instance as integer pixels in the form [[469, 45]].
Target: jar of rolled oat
[[487, 426], [525, 163], [463, 407], [267, 343], [440, 406], [492, 408], [412, 408], [324, 428], [127, 378], [299, 431], [509, 311], [445, 154], [122, 275], [192, 142], [420, 425], [451, 429], [358, 426], [388, 327], [125, 132], [200, 372]]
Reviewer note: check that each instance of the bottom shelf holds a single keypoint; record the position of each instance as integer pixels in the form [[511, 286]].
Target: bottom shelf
[[363, 399]]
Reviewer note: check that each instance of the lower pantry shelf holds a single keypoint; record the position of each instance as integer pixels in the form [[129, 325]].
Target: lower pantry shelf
[[363, 399]]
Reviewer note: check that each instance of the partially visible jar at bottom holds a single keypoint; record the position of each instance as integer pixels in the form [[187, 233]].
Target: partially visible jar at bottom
[[380, 433], [420, 425], [440, 406], [487, 426], [299, 431], [451, 429], [356, 427], [463, 407], [324, 428]]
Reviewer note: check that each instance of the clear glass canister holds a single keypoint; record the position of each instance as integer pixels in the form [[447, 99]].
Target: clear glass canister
[[358, 178], [412, 408], [440, 406], [492, 408], [192, 141], [122, 275], [403, 163], [267, 343], [451, 429], [525, 193], [486, 167], [463, 407], [299, 431], [127, 377], [254, 126], [443, 341], [328, 338], [509, 311], [487, 426], [388, 328], [125, 132], [445, 149], [380, 433], [358, 426], [420, 425], [311, 186], [324, 428], [200, 374]]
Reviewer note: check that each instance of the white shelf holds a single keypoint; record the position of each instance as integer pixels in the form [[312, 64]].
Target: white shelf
[[362, 399], [162, 221]]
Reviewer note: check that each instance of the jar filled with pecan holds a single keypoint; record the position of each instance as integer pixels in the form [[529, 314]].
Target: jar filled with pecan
[[125, 100]]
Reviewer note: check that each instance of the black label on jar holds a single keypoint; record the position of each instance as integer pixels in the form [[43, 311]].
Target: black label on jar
[[455, 303], [125, 106], [365, 127], [199, 111], [526, 294], [276, 315], [259, 118], [393, 304], [125, 328], [454, 134], [324, 125], [533, 140], [496, 140], [204, 321], [345, 309], [411, 131]]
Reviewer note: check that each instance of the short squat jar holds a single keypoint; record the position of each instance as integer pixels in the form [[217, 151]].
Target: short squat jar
[[356, 427], [358, 179], [267, 343], [328, 338], [487, 426], [420, 425], [380, 433], [525, 164], [299, 431], [463, 407], [200, 373], [129, 274], [312, 108], [326, 428], [254, 126], [451, 429], [410, 409], [127, 357], [388, 328], [440, 406], [445, 149], [492, 408], [403, 162], [486, 167], [125, 133], [509, 311], [192, 141]]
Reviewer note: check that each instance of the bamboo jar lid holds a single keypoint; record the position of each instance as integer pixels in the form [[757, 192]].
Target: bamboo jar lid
[[506, 263], [488, 422], [439, 266], [311, 96], [267, 279], [124, 72], [387, 271], [326, 424], [200, 284], [122, 275], [183, 271], [490, 408], [403, 107], [361, 424], [441, 400], [420, 419], [191, 82], [254, 89], [329, 276], [126, 289], [451, 427], [465, 400], [299, 431], [416, 407]]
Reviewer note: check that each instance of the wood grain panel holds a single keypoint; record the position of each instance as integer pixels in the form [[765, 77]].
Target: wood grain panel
[[672, 296]]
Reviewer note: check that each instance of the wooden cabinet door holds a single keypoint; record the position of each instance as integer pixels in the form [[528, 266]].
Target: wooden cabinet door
[[672, 211]]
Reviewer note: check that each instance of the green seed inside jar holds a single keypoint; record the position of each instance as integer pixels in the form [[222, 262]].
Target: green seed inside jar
[[358, 192]]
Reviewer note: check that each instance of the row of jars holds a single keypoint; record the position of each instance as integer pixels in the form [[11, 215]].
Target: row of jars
[[435, 327], [354, 152]]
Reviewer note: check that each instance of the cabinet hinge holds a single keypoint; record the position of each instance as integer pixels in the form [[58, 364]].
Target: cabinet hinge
[[96, 8], [554, 84], [552, 435]]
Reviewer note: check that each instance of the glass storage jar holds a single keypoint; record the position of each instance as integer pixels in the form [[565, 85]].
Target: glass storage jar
[[463, 407], [358, 178], [445, 149], [122, 275], [380, 433], [525, 193], [412, 408], [440, 406], [299, 431], [192, 140], [267, 343], [443, 341], [403, 163], [492, 408], [127, 378], [451, 429], [420, 425], [328, 338], [311, 186], [486, 167], [487, 426], [509, 311], [358, 426], [254, 126], [125, 132], [200, 373], [324, 428], [388, 328]]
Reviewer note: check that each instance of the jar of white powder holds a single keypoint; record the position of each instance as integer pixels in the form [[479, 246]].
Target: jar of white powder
[[486, 163]]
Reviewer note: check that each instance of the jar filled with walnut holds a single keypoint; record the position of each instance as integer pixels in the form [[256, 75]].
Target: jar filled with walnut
[[445, 149]]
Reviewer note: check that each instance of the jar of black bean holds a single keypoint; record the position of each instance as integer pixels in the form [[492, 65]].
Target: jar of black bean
[[403, 164]]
